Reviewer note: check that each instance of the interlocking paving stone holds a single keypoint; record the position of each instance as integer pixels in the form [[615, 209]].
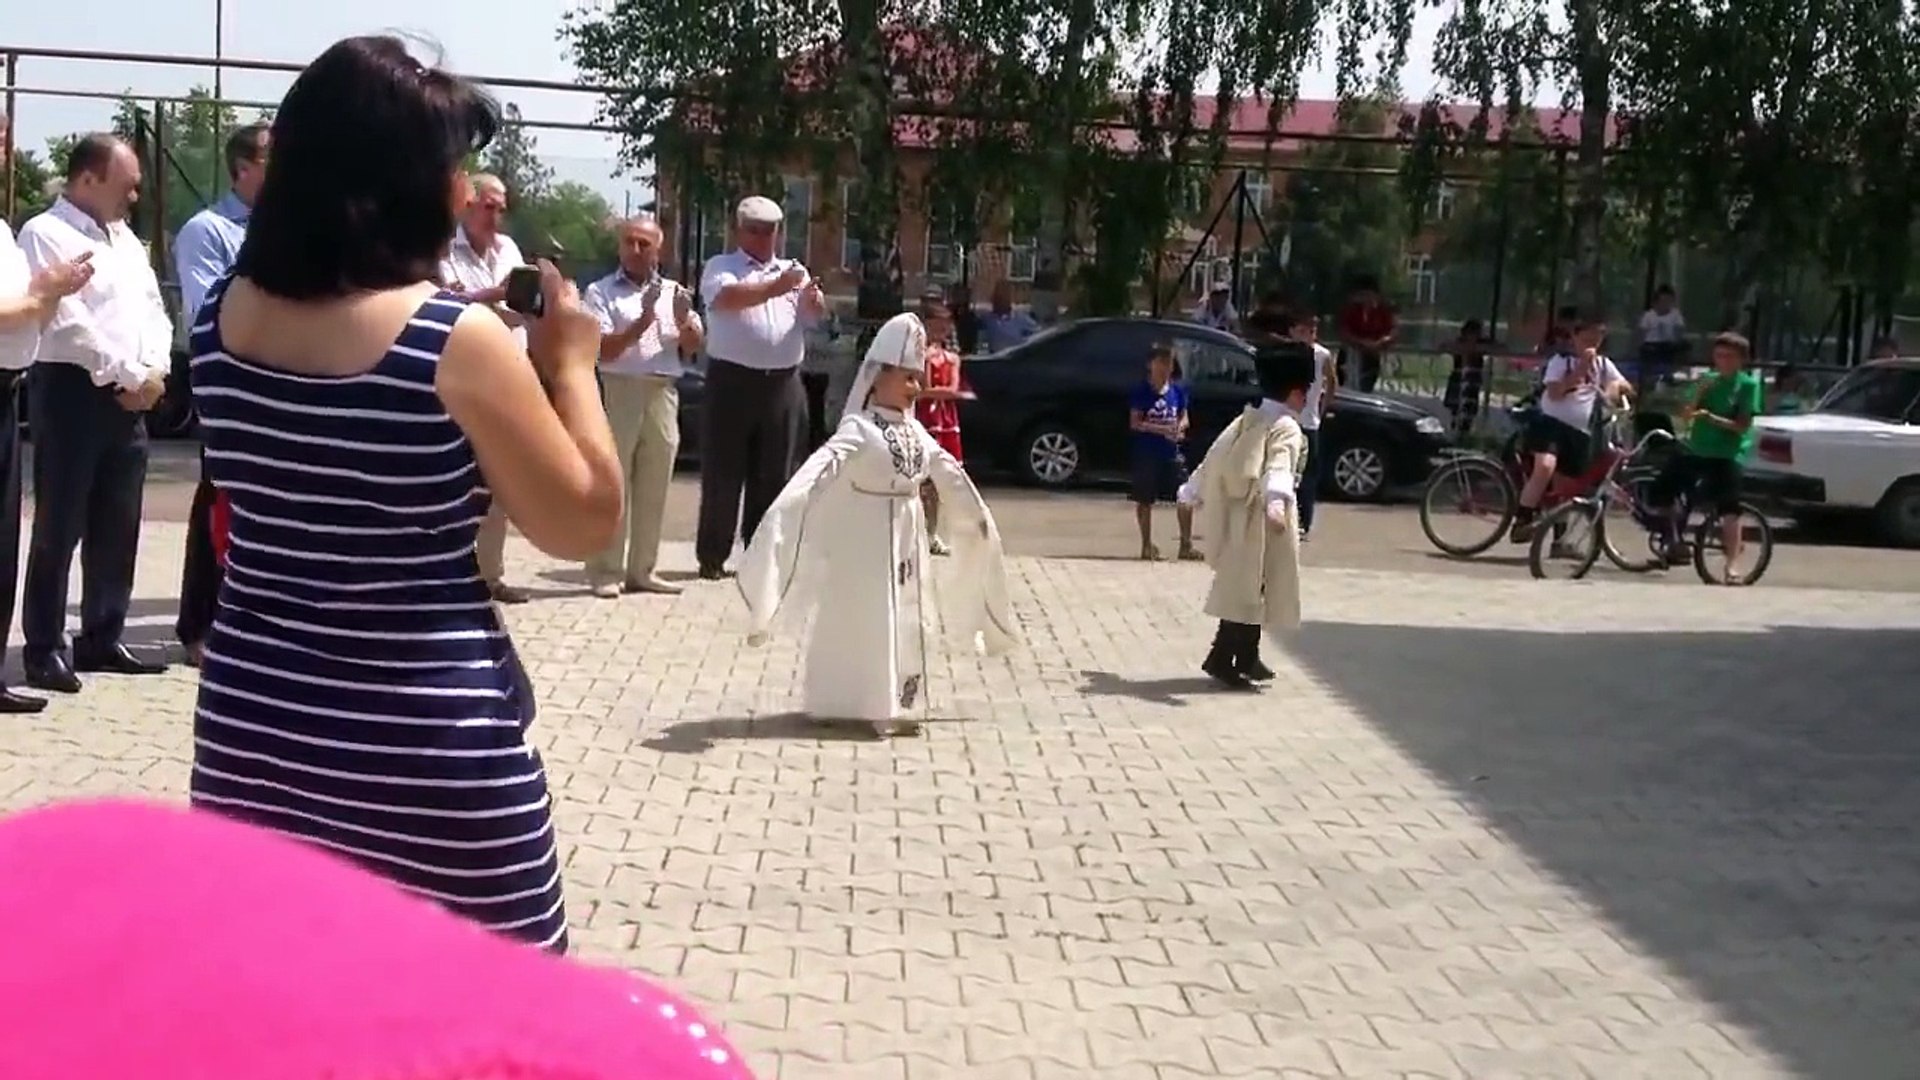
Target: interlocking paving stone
[[1485, 828]]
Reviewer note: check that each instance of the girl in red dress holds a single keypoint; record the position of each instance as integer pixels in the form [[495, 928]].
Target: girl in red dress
[[938, 407]]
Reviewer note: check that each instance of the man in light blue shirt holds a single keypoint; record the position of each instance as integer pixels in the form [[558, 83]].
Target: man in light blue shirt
[[203, 252], [1002, 327]]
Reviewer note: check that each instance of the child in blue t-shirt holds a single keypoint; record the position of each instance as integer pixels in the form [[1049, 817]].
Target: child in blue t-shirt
[[1157, 417]]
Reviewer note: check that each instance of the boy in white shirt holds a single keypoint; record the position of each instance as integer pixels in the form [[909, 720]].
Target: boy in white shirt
[[1326, 380], [1560, 437]]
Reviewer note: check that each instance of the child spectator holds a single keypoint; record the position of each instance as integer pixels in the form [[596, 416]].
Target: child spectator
[[1157, 417]]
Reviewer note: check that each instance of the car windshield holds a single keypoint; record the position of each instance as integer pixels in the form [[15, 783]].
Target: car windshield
[[1878, 392]]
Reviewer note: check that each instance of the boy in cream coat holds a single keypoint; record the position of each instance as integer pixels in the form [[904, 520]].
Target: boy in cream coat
[[1245, 489]]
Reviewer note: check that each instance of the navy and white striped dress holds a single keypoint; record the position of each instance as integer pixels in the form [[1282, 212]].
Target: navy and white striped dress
[[359, 691]]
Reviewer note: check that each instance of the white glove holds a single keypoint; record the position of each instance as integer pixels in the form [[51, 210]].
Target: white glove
[[1187, 495], [1280, 508]]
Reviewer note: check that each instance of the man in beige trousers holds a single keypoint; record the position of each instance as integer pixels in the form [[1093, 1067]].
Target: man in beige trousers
[[646, 323]]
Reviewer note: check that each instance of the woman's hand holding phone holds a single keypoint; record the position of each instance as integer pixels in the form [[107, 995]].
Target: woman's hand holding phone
[[565, 339]]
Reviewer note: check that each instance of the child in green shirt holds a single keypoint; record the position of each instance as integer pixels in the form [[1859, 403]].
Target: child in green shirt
[[1719, 437]]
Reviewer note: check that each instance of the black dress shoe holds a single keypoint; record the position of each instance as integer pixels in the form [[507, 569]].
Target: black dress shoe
[[115, 659], [52, 674], [715, 573], [1257, 671], [1222, 671], [11, 702]]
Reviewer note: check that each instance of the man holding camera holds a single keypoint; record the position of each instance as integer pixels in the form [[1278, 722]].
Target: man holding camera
[[759, 307], [476, 266], [646, 324]]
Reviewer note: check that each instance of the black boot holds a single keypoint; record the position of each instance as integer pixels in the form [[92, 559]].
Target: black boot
[[1222, 664], [1247, 653]]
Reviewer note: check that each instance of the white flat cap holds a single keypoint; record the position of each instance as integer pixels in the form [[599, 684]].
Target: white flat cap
[[760, 210]]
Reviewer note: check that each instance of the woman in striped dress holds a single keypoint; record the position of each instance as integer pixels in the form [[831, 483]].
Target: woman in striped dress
[[358, 689]]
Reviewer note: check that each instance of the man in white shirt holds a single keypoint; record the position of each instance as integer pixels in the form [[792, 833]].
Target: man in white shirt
[[646, 323], [1560, 437], [103, 362], [754, 431], [203, 253], [27, 302], [1217, 312], [476, 266], [1663, 337]]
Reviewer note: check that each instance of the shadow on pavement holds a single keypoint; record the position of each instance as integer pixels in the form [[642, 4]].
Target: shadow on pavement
[[699, 736], [1745, 808], [1174, 692]]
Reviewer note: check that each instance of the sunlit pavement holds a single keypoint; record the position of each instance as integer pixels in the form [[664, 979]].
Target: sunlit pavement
[[1481, 826]]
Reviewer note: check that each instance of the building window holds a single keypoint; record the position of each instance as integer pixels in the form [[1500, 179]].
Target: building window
[[1259, 191], [849, 239], [1422, 280], [946, 258], [712, 225], [1444, 198], [1201, 279], [798, 205]]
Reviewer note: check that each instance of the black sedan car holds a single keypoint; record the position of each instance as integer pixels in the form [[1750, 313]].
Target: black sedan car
[[1053, 409]]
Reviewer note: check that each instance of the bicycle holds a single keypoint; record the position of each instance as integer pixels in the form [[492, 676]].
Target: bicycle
[[1478, 484], [1577, 530]]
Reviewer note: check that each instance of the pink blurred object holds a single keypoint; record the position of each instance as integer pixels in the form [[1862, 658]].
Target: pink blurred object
[[144, 941]]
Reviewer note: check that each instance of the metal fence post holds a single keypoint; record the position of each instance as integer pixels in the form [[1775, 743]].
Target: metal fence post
[[13, 124]]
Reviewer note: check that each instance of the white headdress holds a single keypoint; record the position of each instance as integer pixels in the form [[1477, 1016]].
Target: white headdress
[[900, 342]]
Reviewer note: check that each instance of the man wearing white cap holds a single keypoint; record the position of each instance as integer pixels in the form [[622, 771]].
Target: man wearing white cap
[[755, 414]]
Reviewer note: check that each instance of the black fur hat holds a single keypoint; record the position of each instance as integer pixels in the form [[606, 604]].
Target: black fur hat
[[1283, 367]]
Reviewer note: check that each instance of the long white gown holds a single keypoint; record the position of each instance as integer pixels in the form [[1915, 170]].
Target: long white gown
[[847, 540]]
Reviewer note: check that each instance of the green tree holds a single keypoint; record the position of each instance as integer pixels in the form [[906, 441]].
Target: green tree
[[1344, 216], [571, 217], [32, 180], [513, 157]]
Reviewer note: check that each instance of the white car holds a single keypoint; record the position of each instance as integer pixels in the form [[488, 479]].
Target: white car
[[1858, 450]]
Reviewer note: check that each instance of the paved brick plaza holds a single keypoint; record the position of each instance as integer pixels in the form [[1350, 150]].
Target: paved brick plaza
[[1681, 842]]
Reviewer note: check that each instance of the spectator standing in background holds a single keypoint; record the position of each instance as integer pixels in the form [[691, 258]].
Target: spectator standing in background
[[966, 321], [476, 266], [938, 405], [1367, 330], [759, 307], [202, 254], [1217, 311], [1002, 326], [1663, 338], [103, 362], [1466, 383], [28, 300], [646, 323]]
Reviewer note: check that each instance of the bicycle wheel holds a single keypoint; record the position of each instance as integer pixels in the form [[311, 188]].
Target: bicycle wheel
[[1710, 559], [1623, 539], [1566, 542], [1467, 506]]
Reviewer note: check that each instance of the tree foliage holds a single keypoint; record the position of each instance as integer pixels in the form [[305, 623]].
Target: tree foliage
[[1344, 216]]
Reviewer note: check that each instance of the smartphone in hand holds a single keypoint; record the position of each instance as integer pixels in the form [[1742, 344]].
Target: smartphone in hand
[[523, 292]]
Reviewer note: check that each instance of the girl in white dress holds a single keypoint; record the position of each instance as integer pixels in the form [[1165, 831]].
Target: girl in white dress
[[848, 535]]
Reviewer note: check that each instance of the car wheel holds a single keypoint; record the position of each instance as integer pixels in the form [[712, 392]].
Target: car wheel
[[1357, 471], [1898, 515], [1050, 455]]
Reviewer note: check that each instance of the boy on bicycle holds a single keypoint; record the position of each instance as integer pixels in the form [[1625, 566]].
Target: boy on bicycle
[[1719, 436], [1560, 435]]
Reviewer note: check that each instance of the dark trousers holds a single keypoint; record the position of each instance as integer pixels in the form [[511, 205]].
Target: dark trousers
[[201, 574], [815, 384], [10, 475], [752, 440], [1309, 489], [1366, 369], [1237, 643], [89, 475]]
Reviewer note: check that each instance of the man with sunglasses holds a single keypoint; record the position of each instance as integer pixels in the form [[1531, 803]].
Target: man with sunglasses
[[759, 307]]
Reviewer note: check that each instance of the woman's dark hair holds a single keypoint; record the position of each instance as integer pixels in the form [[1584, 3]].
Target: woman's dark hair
[[1473, 329], [358, 192]]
